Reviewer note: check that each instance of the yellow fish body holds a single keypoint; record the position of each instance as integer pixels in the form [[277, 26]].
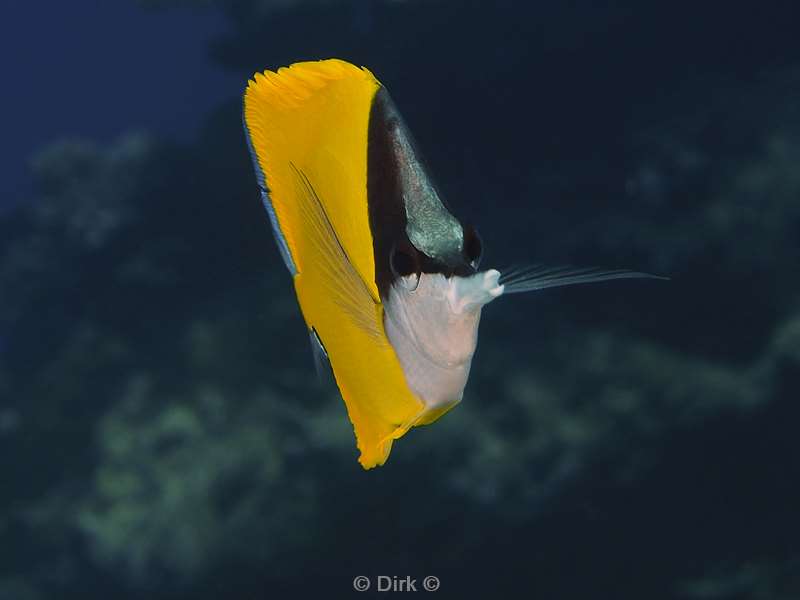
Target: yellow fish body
[[308, 127]]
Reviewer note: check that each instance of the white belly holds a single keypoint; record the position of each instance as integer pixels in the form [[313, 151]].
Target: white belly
[[433, 328]]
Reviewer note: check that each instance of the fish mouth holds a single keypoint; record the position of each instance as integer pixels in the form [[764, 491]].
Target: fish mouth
[[471, 293]]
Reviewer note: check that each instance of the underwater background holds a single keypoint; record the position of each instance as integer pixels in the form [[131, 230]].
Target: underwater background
[[162, 431]]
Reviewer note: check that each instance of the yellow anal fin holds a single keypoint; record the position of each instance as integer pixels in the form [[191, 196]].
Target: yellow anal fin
[[339, 306]]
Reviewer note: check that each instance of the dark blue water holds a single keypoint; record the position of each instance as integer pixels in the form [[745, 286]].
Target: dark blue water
[[96, 70]]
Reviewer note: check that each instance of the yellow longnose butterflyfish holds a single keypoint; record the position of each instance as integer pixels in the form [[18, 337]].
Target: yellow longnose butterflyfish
[[388, 280]]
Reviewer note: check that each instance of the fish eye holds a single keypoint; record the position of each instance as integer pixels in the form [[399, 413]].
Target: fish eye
[[403, 262], [473, 246]]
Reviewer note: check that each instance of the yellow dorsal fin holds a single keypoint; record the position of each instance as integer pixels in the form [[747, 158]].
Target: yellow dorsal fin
[[314, 115]]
